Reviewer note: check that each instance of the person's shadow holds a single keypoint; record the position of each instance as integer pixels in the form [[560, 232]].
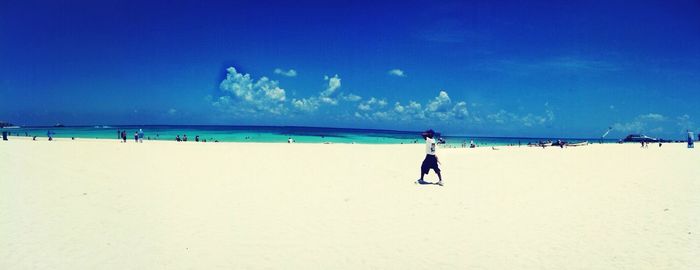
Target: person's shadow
[[422, 182]]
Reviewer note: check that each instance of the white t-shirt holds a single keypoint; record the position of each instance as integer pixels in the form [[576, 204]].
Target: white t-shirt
[[430, 146]]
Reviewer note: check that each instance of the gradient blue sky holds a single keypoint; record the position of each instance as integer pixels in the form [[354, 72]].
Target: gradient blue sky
[[511, 68]]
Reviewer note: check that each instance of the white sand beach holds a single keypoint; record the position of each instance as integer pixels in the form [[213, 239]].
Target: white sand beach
[[101, 204]]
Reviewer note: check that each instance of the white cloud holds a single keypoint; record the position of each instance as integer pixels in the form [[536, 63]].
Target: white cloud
[[326, 95], [351, 97], [685, 123], [440, 108], [652, 117], [501, 117], [172, 111], [527, 120], [460, 110], [439, 103], [288, 73], [263, 95], [372, 104], [612, 107], [642, 123], [306, 104], [397, 72], [412, 111], [243, 94], [634, 127]]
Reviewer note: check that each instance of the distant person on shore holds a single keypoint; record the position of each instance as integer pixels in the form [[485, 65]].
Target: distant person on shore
[[140, 135], [196, 138], [119, 134], [290, 140], [177, 138], [184, 137], [50, 135], [136, 136], [690, 139], [471, 144], [431, 160], [123, 135]]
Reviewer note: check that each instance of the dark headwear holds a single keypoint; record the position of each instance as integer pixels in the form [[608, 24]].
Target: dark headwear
[[428, 133]]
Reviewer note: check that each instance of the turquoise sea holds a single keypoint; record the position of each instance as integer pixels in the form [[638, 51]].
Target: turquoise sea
[[272, 134]]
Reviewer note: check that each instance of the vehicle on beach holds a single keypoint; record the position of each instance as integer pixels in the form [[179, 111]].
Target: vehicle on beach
[[640, 138]]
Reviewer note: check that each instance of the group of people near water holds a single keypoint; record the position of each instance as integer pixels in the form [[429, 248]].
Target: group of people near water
[[196, 138], [138, 135]]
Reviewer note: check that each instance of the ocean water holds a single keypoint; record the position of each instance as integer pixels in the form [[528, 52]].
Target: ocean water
[[272, 134]]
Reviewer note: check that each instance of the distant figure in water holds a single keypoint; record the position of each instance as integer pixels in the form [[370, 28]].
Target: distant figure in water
[[123, 135], [196, 138], [177, 138], [140, 135], [119, 134], [431, 160], [184, 137]]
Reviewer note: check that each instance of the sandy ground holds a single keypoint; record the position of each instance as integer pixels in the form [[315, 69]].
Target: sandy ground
[[100, 204]]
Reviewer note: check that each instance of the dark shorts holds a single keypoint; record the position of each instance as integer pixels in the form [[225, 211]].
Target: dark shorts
[[430, 162]]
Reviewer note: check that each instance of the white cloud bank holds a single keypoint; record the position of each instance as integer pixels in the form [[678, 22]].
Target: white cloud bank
[[243, 96], [440, 108]]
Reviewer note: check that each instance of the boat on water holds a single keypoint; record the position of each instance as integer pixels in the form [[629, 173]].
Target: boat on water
[[59, 125]]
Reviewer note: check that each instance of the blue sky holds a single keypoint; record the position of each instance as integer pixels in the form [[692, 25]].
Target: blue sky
[[520, 68]]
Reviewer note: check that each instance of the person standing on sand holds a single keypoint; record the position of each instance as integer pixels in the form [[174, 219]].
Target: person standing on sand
[[123, 135], [140, 135], [690, 139], [431, 160]]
